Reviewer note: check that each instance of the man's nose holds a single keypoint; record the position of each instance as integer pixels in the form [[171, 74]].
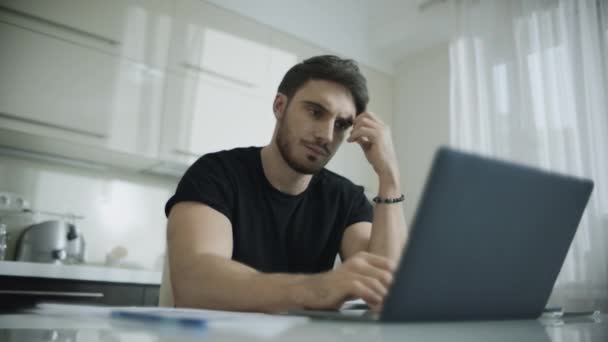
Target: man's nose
[[325, 132]]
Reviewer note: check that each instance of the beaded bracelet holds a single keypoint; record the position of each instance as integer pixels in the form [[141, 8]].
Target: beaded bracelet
[[383, 200]]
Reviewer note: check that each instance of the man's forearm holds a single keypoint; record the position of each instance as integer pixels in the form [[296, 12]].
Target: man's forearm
[[389, 230], [224, 284]]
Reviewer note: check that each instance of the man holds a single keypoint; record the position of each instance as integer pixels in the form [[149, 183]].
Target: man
[[258, 229]]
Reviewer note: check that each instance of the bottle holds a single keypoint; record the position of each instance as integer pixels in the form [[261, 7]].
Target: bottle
[[75, 246], [3, 241]]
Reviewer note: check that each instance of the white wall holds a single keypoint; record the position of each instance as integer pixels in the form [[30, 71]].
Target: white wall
[[421, 118], [120, 209]]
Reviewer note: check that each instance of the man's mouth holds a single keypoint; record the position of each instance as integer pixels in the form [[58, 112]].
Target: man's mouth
[[316, 149]]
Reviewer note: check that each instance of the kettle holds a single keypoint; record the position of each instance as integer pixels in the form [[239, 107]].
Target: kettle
[[51, 242]]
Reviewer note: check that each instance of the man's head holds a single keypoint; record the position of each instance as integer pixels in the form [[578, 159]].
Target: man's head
[[316, 103]]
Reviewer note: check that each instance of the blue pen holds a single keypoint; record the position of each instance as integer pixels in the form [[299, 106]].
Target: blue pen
[[151, 317]]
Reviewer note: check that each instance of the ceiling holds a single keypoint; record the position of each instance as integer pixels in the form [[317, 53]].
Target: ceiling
[[399, 28], [379, 33]]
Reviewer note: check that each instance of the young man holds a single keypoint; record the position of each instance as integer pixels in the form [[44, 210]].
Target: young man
[[258, 229]]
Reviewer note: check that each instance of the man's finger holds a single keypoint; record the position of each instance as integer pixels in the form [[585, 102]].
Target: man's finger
[[375, 285], [360, 290], [369, 115], [369, 133], [366, 122], [380, 262], [364, 268], [365, 144]]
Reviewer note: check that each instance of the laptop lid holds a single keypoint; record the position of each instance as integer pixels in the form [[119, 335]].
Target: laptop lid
[[488, 241]]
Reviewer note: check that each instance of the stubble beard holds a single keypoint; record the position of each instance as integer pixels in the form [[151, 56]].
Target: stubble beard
[[284, 148]]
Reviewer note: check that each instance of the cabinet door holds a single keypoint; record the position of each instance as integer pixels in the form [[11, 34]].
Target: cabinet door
[[286, 51], [217, 93], [18, 291], [54, 83], [137, 29], [213, 41], [206, 114], [58, 89]]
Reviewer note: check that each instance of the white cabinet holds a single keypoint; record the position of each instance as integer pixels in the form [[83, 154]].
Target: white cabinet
[[145, 82], [206, 114], [218, 95], [54, 83], [286, 52], [53, 88], [210, 40], [139, 30]]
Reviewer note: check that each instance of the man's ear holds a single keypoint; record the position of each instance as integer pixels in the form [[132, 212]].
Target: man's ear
[[279, 105]]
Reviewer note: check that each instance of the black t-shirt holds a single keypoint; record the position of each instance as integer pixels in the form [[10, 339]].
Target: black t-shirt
[[273, 231]]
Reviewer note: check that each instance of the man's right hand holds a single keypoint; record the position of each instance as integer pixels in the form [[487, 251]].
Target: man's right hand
[[364, 275]]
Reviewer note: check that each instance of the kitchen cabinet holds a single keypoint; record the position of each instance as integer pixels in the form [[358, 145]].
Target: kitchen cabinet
[[286, 52], [218, 93], [145, 84], [43, 83], [24, 291], [53, 88], [209, 40], [138, 30], [23, 283], [205, 114]]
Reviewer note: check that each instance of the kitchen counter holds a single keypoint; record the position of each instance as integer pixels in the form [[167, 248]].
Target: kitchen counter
[[79, 272]]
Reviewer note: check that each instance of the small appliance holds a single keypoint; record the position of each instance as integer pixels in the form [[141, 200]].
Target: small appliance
[[53, 241]]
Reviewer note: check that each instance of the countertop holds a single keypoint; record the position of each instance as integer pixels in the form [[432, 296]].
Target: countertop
[[75, 328], [79, 272]]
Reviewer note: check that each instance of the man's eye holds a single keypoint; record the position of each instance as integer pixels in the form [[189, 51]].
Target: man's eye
[[315, 112], [342, 126]]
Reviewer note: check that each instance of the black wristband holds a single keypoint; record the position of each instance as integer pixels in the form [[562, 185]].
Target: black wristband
[[383, 200]]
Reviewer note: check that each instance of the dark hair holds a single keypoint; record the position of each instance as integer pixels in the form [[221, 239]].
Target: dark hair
[[327, 68]]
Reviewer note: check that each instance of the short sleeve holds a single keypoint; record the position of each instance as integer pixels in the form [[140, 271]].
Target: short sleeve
[[207, 182], [361, 209]]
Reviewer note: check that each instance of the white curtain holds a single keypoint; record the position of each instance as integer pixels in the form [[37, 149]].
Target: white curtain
[[529, 83]]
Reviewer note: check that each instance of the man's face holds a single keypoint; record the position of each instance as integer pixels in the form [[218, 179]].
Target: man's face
[[313, 124]]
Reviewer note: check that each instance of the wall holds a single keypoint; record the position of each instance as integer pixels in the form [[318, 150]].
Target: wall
[[421, 119], [120, 209]]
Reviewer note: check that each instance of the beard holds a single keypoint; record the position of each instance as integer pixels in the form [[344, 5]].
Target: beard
[[287, 153]]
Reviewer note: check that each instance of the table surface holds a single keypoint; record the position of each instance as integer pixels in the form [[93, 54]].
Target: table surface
[[44, 327]]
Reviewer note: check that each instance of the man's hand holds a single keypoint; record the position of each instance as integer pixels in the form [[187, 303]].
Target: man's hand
[[364, 275], [374, 137]]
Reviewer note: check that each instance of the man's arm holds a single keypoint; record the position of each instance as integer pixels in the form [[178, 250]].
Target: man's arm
[[203, 275], [388, 233], [385, 237]]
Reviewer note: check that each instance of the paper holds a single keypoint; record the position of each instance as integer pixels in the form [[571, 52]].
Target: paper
[[241, 323]]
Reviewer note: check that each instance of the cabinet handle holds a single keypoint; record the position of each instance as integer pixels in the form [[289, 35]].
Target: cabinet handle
[[49, 125], [204, 70], [53, 293], [61, 26]]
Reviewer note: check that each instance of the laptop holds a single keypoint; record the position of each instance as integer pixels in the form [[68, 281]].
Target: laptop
[[487, 243]]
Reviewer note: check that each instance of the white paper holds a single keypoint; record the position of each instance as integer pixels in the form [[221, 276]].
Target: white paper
[[242, 323]]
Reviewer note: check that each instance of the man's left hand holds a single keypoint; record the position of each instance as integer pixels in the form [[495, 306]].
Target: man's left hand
[[374, 137]]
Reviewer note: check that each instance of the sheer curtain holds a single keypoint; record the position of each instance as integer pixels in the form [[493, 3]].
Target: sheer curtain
[[529, 83]]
